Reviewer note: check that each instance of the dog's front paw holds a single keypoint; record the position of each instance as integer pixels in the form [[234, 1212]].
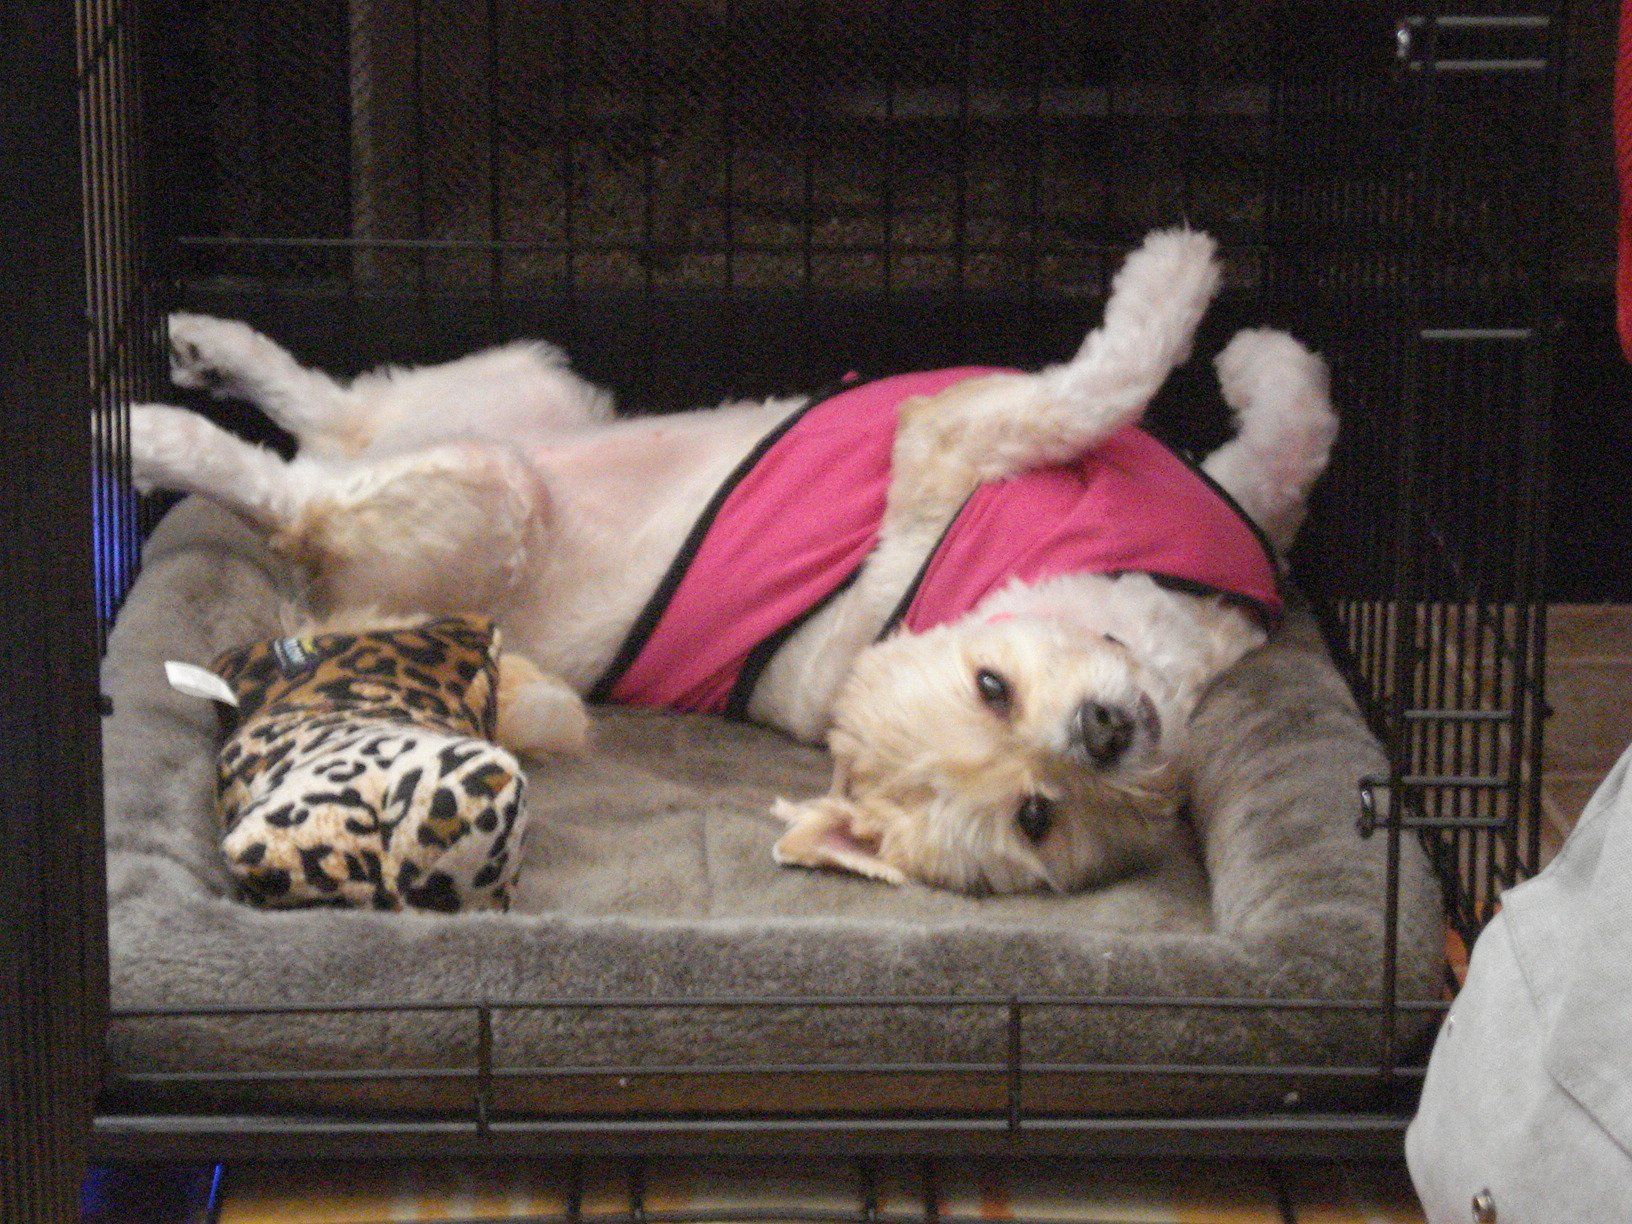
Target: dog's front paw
[[209, 354], [1259, 358], [1165, 287], [1181, 264]]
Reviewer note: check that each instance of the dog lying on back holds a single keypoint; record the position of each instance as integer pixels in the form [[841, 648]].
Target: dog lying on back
[[995, 596]]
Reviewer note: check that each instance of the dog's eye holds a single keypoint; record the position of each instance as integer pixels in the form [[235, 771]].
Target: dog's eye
[[1035, 816], [1114, 640], [994, 690]]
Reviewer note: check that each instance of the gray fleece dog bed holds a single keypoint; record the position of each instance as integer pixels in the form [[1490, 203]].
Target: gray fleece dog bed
[[648, 874]]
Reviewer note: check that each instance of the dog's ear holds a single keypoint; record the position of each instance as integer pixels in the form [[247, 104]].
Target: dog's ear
[[825, 833]]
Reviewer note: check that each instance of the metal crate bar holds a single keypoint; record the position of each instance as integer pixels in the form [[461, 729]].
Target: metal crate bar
[[1008, 1074], [1347, 1136]]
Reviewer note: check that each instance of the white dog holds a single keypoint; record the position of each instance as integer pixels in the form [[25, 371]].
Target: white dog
[[1003, 716]]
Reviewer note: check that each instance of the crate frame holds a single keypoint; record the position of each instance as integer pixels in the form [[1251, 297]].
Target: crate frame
[[1472, 797]]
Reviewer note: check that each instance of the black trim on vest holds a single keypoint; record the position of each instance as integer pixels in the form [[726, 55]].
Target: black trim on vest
[[759, 658], [1271, 554], [646, 623], [895, 618], [1224, 495], [1188, 586]]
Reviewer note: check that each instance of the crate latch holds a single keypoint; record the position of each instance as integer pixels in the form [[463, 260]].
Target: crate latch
[[1474, 43]]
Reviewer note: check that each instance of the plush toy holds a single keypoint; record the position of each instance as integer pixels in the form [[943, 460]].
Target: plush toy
[[360, 768]]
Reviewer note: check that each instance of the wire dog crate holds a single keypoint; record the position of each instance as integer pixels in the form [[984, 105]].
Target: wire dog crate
[[702, 197]]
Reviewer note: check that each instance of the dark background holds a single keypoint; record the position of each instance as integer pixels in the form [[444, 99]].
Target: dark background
[[1590, 525]]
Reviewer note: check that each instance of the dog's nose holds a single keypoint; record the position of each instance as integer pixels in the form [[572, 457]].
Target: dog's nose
[[1103, 732]]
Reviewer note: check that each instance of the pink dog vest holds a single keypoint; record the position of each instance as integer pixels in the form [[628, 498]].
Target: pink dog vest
[[792, 526]]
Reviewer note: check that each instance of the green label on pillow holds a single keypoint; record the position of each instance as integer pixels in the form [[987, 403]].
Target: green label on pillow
[[294, 656]]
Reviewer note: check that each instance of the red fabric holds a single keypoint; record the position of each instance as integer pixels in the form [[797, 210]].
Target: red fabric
[[1130, 505], [1623, 168], [806, 515], [794, 528]]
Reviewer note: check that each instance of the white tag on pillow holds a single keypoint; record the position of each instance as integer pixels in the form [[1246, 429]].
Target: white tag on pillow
[[199, 682]]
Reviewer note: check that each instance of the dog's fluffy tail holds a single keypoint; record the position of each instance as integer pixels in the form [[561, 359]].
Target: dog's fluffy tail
[[1285, 426]]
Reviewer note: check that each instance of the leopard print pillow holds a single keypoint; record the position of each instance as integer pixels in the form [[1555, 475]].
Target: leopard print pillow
[[358, 770]]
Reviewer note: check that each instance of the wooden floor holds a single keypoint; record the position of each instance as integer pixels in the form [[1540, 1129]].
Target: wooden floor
[[1589, 687], [1068, 1192]]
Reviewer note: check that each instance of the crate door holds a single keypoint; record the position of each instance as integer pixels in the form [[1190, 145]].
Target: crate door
[[1464, 690], [79, 343]]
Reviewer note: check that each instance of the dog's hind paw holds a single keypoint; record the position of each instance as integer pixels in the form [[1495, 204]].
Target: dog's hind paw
[[163, 441]]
